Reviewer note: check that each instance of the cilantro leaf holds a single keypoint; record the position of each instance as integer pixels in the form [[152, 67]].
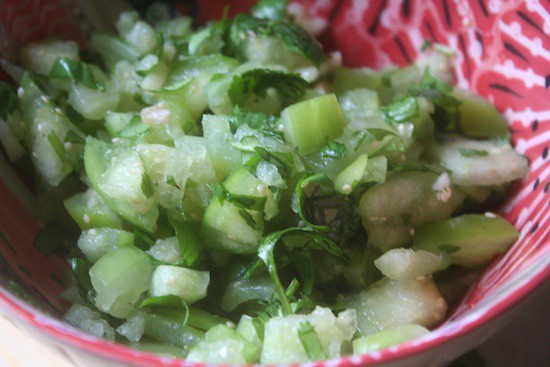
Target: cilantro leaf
[[193, 251], [402, 110], [333, 150], [77, 71], [247, 202], [469, 153], [9, 100], [169, 301], [298, 41], [258, 81], [284, 161], [270, 9], [294, 38], [321, 208], [310, 341], [308, 238]]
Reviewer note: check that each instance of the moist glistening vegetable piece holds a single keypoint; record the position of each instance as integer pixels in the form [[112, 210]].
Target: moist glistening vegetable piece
[[238, 196]]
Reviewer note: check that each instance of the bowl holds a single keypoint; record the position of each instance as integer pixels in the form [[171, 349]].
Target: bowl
[[503, 53]]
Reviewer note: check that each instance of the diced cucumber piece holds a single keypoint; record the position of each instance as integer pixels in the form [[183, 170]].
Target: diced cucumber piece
[[92, 103], [404, 264], [47, 130], [202, 170], [155, 79], [241, 291], [201, 69], [424, 126], [168, 326], [11, 144], [119, 278], [89, 210], [16, 125], [271, 50], [137, 33], [223, 345], [387, 338], [390, 303], [311, 124], [401, 79], [227, 227], [167, 250], [376, 171], [252, 330], [389, 211], [217, 134], [116, 122], [117, 173], [96, 242], [281, 334], [40, 57], [175, 28], [134, 327], [242, 182], [439, 60], [346, 180], [346, 79], [472, 240], [190, 285], [90, 322], [113, 49], [359, 103], [479, 117], [168, 170], [480, 163]]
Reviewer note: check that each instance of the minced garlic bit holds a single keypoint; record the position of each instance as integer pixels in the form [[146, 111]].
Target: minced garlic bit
[[45, 99], [442, 182], [20, 92], [443, 187], [490, 215], [346, 188], [86, 218], [155, 115], [230, 324], [67, 145], [281, 127]]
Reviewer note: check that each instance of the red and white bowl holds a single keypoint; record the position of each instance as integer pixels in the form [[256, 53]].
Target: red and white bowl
[[503, 52]]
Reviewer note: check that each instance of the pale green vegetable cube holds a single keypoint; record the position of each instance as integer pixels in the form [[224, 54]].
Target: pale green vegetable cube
[[119, 278], [282, 344], [96, 242], [389, 303], [387, 338], [190, 285]]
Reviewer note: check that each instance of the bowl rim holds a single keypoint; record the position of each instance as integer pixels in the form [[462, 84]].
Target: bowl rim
[[520, 288]]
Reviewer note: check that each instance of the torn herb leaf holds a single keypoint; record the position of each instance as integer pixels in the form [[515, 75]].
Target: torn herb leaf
[[310, 341], [469, 153], [9, 100], [77, 71], [258, 81]]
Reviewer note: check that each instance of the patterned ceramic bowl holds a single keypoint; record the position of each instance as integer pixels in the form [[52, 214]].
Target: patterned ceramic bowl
[[503, 53]]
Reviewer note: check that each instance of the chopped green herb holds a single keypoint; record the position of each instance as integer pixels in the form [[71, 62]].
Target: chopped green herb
[[468, 153], [310, 341], [77, 71]]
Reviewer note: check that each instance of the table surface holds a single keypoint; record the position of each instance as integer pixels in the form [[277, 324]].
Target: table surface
[[524, 342]]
